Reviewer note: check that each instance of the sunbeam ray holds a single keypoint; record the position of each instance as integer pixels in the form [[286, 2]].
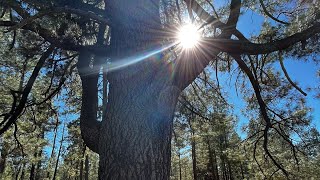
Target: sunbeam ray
[[121, 63]]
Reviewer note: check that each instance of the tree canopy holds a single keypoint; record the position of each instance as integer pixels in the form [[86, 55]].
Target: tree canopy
[[111, 75]]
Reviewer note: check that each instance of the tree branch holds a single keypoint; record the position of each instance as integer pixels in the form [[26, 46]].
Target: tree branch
[[90, 127], [263, 110], [288, 77], [12, 118], [270, 15], [59, 42], [246, 47], [59, 86], [186, 71], [185, 103], [87, 13]]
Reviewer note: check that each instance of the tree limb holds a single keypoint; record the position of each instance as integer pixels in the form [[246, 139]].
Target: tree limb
[[90, 127], [263, 110], [58, 42], [288, 77], [12, 118], [186, 71], [87, 13], [246, 47], [270, 15]]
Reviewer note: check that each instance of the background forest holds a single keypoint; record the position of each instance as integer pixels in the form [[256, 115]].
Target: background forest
[[213, 137]]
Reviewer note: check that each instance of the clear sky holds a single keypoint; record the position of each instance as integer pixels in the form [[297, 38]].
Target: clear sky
[[305, 73]]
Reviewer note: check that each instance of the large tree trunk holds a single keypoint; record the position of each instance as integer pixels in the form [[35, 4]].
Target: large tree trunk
[[135, 133], [135, 138]]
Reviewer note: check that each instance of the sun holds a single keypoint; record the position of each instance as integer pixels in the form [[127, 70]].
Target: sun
[[188, 36]]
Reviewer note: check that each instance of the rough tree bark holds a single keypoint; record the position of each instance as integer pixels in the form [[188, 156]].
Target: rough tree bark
[[134, 137], [135, 143]]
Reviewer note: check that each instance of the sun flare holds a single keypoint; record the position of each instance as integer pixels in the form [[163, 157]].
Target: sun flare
[[188, 36]]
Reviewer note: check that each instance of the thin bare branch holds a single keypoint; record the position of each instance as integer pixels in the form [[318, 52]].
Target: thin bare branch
[[12, 118], [263, 110], [247, 47], [288, 77], [270, 15], [191, 108]]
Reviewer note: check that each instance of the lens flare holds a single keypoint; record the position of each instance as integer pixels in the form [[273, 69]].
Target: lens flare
[[188, 36]]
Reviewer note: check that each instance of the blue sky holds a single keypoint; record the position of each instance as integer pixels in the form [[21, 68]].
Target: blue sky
[[300, 71]]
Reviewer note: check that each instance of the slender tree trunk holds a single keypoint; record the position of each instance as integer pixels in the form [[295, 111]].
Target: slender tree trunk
[[51, 159], [54, 137], [213, 161], [193, 150], [230, 170], [32, 175], [17, 173], [22, 173], [241, 168], [185, 172], [180, 168], [39, 154], [86, 169], [223, 165], [33, 169], [81, 170], [58, 157], [81, 162], [38, 167], [3, 155], [194, 156], [3, 159]]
